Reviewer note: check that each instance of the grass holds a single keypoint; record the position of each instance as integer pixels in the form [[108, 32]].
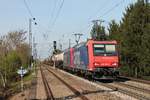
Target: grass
[[146, 78], [16, 86], [0, 82], [28, 77], [0, 87]]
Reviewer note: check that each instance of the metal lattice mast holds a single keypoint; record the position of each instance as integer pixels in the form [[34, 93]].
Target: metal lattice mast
[[77, 37], [96, 24], [30, 35]]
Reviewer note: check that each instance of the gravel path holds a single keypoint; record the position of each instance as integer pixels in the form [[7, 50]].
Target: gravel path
[[130, 89], [137, 84], [40, 94], [20, 96]]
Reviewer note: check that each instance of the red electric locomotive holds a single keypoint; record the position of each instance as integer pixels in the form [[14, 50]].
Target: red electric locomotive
[[98, 59]]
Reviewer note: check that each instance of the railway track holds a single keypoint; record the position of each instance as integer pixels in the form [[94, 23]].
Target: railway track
[[134, 79], [134, 87], [48, 90], [138, 93], [127, 89], [122, 87], [32, 92], [74, 90]]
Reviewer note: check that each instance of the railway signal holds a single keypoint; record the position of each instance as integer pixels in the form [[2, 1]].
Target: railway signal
[[54, 45], [21, 72]]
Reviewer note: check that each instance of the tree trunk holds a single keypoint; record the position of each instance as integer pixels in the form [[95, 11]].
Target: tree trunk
[[136, 72], [3, 81]]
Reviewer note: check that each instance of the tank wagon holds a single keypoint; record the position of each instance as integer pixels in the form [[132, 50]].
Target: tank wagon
[[58, 59]]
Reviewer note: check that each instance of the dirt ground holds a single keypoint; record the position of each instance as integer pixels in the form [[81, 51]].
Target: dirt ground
[[20, 96]]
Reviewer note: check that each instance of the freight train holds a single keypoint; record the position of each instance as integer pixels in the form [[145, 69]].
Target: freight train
[[96, 59]]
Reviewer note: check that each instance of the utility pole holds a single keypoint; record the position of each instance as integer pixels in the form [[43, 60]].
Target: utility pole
[[34, 49], [30, 35], [34, 54], [60, 44], [30, 38], [30, 41], [69, 43], [97, 22], [77, 37]]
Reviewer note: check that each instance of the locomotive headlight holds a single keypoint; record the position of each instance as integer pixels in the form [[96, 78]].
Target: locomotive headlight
[[96, 64], [114, 64]]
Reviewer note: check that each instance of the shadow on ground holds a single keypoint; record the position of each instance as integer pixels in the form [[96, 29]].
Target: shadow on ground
[[85, 92]]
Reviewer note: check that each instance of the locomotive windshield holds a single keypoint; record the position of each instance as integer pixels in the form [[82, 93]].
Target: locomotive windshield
[[104, 49]]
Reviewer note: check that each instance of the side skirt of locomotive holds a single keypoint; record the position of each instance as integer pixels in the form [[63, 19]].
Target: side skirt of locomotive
[[105, 73], [98, 73]]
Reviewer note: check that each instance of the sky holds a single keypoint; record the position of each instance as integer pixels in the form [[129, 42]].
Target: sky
[[57, 22]]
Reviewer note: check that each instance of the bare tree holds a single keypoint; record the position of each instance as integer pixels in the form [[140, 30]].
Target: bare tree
[[13, 52]]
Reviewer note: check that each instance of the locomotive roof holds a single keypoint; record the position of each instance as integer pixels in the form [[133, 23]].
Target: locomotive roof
[[92, 41], [103, 42]]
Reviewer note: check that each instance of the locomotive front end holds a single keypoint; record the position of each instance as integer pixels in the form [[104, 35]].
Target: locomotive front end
[[104, 58]]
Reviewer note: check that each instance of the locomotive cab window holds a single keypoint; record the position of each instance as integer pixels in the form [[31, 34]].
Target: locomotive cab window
[[104, 49], [99, 49], [110, 48]]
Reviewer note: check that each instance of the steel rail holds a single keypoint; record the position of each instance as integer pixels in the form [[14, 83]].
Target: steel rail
[[135, 79], [47, 87], [75, 91], [124, 91], [134, 87]]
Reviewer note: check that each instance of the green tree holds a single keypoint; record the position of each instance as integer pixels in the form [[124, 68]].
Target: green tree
[[23, 51], [114, 33], [98, 32], [14, 52], [135, 29], [13, 63]]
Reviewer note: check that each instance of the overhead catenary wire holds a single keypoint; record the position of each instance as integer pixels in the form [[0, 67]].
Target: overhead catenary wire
[[99, 10], [89, 24], [31, 15], [57, 14], [28, 8], [111, 9], [105, 13], [51, 15], [60, 10], [52, 18], [30, 12]]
